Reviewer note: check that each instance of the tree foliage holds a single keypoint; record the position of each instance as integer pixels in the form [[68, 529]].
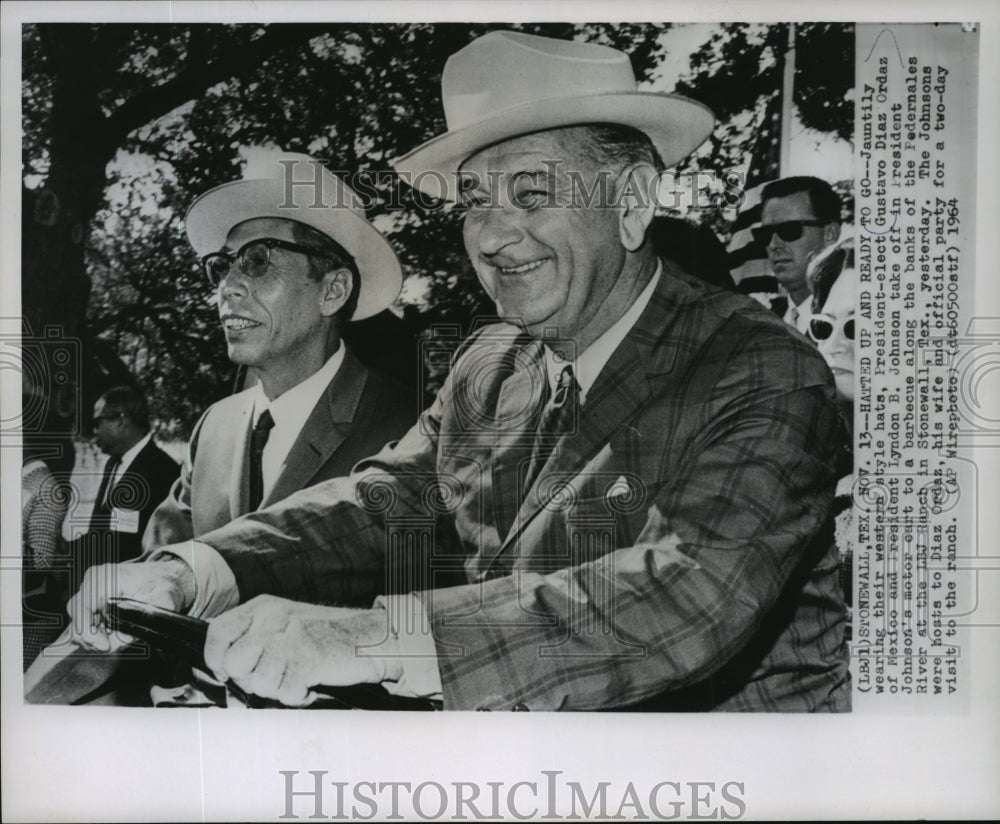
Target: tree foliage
[[105, 255], [738, 72]]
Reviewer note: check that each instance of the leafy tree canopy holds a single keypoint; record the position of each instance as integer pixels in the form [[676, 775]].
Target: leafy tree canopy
[[173, 105]]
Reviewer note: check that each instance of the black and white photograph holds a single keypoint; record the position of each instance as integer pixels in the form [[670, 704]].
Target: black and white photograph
[[386, 367]]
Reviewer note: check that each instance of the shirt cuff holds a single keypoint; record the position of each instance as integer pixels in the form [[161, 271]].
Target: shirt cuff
[[412, 646], [215, 584]]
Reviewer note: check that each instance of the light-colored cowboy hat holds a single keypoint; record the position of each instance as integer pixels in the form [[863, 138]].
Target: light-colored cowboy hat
[[329, 206], [506, 84]]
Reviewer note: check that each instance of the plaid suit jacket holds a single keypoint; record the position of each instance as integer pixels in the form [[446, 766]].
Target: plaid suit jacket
[[674, 553]]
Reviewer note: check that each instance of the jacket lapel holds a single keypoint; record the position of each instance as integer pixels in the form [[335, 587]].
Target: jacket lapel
[[137, 467], [620, 391], [517, 409], [324, 431]]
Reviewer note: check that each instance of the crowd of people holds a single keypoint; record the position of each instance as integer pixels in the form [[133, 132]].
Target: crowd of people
[[630, 495]]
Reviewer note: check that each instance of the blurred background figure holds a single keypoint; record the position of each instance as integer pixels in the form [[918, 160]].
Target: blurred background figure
[[799, 217], [137, 477], [44, 501], [834, 283]]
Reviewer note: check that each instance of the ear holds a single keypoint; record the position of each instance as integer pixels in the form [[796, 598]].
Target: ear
[[636, 189], [336, 291], [831, 233]]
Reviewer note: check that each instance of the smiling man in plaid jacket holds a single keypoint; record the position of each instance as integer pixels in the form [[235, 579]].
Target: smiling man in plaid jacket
[[632, 480]]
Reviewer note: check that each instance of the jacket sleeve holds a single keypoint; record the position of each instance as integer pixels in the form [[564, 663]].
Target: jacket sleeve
[[328, 543], [171, 521]]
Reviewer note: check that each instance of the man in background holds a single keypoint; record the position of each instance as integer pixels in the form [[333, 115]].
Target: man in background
[[800, 216], [137, 476]]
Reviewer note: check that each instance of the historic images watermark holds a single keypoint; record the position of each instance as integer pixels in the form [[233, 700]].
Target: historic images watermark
[[553, 185], [549, 796]]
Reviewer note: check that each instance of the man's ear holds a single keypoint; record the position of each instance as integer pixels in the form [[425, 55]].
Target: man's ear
[[831, 233], [636, 190], [336, 291]]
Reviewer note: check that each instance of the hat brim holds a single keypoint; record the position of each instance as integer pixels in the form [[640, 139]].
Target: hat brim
[[676, 125], [211, 217]]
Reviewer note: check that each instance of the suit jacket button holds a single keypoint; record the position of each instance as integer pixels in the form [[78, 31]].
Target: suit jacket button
[[520, 707]]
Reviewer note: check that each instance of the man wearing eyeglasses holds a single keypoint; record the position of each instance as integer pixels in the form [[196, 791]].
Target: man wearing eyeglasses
[[287, 278], [800, 216]]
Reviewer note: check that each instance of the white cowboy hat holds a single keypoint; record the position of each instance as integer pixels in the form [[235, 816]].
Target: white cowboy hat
[[321, 200], [506, 84]]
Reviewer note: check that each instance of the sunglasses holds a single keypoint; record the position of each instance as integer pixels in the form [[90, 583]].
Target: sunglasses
[[788, 231], [253, 258], [821, 327]]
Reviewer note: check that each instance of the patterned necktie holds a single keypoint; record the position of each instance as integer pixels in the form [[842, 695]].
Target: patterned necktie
[[558, 418], [102, 505], [258, 440]]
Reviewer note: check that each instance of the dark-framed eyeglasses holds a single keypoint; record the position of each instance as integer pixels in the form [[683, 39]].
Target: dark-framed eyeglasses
[[253, 258], [787, 230], [821, 327]]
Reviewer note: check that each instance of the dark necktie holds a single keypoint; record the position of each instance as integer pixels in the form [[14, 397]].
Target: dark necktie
[[100, 517], [559, 418], [258, 440]]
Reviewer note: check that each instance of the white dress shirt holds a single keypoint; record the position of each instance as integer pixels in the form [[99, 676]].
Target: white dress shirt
[[797, 315], [595, 357], [290, 411]]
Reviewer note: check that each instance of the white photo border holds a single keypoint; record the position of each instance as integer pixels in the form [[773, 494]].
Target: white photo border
[[99, 763]]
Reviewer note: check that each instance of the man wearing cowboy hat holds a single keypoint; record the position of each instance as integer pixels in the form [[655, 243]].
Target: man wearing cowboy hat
[[288, 275], [637, 470]]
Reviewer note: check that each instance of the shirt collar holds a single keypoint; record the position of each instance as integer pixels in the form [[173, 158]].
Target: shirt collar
[[298, 401], [129, 456], [595, 357]]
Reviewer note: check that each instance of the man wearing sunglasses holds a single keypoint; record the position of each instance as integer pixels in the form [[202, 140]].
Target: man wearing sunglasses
[[800, 216], [287, 277], [136, 477]]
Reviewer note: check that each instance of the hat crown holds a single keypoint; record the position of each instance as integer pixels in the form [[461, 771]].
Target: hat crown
[[305, 182], [504, 70]]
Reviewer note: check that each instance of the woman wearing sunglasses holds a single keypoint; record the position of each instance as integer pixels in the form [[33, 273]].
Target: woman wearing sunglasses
[[834, 283]]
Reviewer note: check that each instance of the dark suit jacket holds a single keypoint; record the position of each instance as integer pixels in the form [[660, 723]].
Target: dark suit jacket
[[359, 413], [676, 549], [140, 488]]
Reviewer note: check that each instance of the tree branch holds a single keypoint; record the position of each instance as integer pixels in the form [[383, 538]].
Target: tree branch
[[200, 73]]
